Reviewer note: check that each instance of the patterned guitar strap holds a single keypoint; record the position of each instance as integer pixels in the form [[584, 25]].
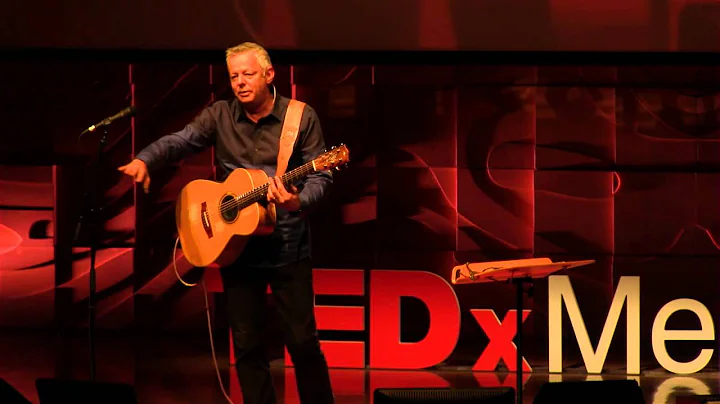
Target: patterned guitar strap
[[290, 129]]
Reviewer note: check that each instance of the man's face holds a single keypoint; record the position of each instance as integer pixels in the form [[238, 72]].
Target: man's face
[[247, 80]]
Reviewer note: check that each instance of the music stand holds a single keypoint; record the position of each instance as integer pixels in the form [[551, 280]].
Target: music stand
[[517, 272]]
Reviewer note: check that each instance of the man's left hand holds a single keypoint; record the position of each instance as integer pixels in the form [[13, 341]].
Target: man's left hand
[[279, 195]]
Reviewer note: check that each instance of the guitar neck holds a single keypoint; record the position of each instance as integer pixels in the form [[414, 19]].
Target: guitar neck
[[288, 178]]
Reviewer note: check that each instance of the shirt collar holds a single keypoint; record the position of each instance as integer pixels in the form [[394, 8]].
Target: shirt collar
[[278, 111]]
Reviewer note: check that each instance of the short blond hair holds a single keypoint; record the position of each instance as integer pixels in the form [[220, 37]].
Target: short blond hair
[[260, 52]]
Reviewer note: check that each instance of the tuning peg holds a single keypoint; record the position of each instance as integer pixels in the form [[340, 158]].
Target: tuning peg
[[332, 148]]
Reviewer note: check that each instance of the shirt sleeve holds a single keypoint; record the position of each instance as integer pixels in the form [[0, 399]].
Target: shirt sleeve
[[193, 138], [312, 145]]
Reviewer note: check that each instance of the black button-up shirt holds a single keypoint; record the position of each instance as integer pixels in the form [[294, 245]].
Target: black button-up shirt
[[241, 143]]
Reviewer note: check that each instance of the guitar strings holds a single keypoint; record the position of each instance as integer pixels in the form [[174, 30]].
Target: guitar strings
[[251, 196], [262, 190]]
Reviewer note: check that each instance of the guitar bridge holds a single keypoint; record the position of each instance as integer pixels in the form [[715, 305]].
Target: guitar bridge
[[204, 216]]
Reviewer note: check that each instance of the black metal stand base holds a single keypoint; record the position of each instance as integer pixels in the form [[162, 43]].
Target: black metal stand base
[[519, 294], [90, 219]]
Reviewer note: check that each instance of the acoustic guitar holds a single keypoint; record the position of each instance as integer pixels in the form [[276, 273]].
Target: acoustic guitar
[[216, 219]]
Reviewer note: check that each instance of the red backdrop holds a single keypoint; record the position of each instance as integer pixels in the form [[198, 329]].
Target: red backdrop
[[451, 163]]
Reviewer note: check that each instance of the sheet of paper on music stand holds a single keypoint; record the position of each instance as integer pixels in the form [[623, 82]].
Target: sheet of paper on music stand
[[498, 271]]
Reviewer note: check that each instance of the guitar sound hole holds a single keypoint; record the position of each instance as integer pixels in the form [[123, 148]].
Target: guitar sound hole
[[229, 210]]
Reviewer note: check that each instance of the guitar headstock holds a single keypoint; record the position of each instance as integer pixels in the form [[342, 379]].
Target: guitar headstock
[[333, 158]]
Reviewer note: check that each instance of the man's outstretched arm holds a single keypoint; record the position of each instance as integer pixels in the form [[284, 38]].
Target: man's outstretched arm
[[193, 138]]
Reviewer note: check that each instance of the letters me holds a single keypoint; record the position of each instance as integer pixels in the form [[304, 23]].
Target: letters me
[[385, 348], [628, 291]]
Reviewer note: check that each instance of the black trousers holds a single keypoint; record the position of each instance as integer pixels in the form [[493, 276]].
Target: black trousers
[[293, 294]]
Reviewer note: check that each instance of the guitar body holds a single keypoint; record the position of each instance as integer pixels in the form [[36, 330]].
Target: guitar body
[[215, 220], [209, 234]]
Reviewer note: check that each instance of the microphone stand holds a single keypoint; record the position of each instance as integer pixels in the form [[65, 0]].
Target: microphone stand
[[93, 212]]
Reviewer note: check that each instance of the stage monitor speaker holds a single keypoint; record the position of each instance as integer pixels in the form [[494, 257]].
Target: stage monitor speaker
[[704, 399], [8, 394], [492, 395], [591, 392], [56, 391]]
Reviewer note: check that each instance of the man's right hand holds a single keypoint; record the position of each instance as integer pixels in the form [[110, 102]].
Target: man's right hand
[[138, 170]]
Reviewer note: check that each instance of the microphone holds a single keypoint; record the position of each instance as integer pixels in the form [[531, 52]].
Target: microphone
[[129, 111]]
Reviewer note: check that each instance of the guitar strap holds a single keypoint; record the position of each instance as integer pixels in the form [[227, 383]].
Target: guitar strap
[[290, 129]]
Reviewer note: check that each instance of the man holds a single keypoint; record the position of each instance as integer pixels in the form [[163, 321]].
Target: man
[[245, 132]]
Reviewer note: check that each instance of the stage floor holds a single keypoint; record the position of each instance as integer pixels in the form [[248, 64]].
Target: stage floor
[[167, 369]]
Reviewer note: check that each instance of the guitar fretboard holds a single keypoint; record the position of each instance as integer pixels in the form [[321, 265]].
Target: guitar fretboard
[[260, 192]]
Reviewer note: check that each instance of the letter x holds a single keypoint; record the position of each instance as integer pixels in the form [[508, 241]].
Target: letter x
[[501, 343]]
